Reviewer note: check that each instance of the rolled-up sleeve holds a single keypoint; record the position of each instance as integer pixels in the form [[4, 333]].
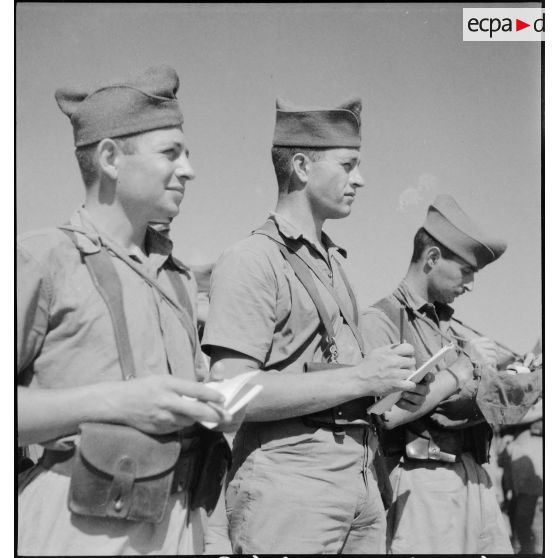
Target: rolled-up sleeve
[[33, 295], [242, 304]]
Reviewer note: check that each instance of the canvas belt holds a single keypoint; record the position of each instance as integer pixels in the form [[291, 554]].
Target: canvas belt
[[452, 442]]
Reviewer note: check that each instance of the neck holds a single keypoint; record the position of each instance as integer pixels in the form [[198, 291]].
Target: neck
[[418, 281], [294, 208], [126, 230]]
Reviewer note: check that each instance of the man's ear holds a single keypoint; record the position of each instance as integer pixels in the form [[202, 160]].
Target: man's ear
[[107, 155], [301, 163], [433, 255]]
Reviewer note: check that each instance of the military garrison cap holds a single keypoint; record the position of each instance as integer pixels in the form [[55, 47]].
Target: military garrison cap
[[318, 127], [453, 228], [146, 102]]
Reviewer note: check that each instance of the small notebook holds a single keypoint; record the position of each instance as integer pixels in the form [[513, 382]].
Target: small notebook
[[238, 392], [387, 402]]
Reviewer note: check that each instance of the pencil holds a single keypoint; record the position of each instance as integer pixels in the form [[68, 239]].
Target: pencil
[[401, 311]]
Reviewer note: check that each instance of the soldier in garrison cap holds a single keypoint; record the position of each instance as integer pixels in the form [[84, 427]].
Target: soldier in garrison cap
[[443, 501], [301, 479], [101, 299]]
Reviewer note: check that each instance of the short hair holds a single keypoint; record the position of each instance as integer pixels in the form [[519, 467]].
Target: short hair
[[87, 157], [424, 240], [282, 161]]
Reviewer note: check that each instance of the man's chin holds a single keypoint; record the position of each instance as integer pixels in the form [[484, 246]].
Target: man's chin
[[454, 296], [167, 214], [345, 212], [447, 299]]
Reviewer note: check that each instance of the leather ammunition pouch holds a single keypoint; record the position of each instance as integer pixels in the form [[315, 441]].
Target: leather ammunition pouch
[[349, 413], [424, 440], [121, 472]]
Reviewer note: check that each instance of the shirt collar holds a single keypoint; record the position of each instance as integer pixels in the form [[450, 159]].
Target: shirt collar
[[289, 230], [411, 298], [87, 237], [90, 238]]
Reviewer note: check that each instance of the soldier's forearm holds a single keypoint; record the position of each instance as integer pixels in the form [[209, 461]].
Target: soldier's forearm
[[287, 395], [291, 395], [47, 414], [443, 385]]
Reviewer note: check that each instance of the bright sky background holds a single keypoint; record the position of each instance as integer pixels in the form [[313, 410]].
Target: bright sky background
[[439, 116]]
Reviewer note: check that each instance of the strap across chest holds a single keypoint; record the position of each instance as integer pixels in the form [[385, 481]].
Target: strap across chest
[[305, 270], [105, 279]]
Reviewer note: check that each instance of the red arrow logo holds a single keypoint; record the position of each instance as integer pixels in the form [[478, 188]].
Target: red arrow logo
[[519, 25]]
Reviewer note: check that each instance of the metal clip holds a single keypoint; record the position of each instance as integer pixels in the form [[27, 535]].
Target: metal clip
[[339, 432], [333, 351]]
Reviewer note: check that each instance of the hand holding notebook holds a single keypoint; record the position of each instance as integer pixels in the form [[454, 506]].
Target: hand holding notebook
[[238, 392], [387, 402]]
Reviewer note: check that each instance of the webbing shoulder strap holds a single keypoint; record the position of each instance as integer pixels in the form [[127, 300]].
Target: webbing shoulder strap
[[180, 290], [393, 311], [106, 281], [302, 270], [349, 289], [185, 317], [392, 308], [304, 276]]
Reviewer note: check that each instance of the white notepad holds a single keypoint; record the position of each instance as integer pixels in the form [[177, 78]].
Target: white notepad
[[238, 392], [387, 402]]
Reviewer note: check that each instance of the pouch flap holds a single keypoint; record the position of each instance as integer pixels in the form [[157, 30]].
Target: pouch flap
[[104, 446]]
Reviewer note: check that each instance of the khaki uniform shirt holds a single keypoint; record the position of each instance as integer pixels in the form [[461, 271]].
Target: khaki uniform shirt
[[292, 486], [497, 397], [65, 334], [259, 308], [66, 338]]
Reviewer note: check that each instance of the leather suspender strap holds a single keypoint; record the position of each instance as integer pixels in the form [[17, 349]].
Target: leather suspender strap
[[304, 276], [180, 290], [106, 281], [393, 311], [300, 267], [349, 289], [185, 317], [390, 308]]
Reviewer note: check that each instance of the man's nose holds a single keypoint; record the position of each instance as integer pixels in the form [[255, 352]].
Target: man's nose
[[356, 178], [469, 283], [184, 168]]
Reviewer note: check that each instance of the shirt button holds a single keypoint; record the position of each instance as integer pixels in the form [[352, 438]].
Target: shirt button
[[330, 275]]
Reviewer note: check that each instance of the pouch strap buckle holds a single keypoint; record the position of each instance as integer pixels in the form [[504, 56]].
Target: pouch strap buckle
[[120, 494]]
